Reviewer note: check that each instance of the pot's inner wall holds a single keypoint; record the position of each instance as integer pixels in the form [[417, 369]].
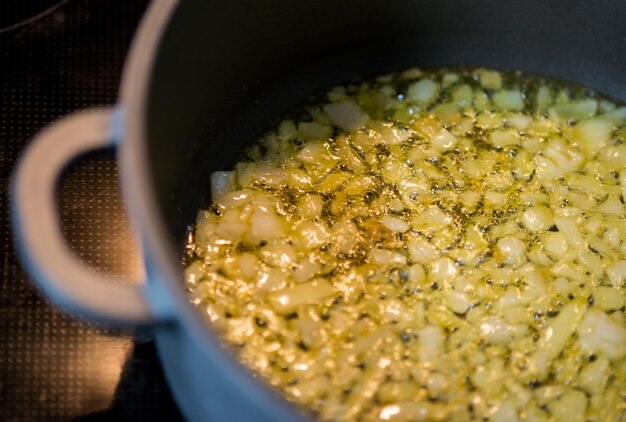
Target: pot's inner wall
[[225, 69]]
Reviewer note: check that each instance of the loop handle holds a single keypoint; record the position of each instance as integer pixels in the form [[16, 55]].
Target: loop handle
[[64, 278]]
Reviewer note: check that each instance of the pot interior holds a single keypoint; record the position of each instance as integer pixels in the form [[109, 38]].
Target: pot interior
[[226, 69]]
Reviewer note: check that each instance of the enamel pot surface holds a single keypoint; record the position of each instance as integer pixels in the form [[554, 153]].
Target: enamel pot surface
[[202, 79]]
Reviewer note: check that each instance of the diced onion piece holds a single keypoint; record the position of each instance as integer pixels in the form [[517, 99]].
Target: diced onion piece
[[194, 272], [570, 407], [411, 73], [544, 97], [576, 110], [520, 121], [432, 217], [310, 206], [332, 182], [265, 225], [608, 298], [449, 79], [394, 224], [232, 215], [562, 286], [272, 279], [414, 411], [269, 174], [557, 333], [235, 199], [506, 412], [598, 333], [548, 170], [306, 269], [481, 100], [496, 330], [532, 198], [311, 234], [495, 199], [490, 79], [443, 140], [442, 269], [287, 300], [345, 236], [591, 135], [509, 100], [393, 135], [247, 263], [458, 302], [396, 205], [437, 384], [537, 218], [616, 116], [346, 114], [366, 343], [617, 273], [615, 156], [503, 138], [387, 257], [512, 249], [421, 250], [313, 131], [612, 205], [287, 130], [222, 182], [569, 228], [279, 255], [463, 96], [547, 393], [594, 376], [299, 179], [423, 92], [312, 153], [470, 199], [489, 120], [231, 231], [311, 388], [416, 273], [474, 239], [430, 342], [606, 106]]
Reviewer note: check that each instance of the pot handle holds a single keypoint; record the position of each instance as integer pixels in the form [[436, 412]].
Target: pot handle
[[65, 279]]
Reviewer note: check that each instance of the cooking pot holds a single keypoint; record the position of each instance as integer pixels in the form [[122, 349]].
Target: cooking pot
[[202, 79]]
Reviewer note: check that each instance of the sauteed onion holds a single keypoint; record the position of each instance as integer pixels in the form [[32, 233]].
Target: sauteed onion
[[446, 245]]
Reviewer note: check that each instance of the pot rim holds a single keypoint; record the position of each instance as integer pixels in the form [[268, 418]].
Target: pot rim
[[163, 276]]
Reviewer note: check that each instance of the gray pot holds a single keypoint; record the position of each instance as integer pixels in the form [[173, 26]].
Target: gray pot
[[203, 78]]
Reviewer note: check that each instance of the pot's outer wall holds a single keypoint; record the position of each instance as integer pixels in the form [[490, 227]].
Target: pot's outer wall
[[225, 69]]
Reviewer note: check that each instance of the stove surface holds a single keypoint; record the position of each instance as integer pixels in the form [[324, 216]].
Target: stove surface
[[54, 367]]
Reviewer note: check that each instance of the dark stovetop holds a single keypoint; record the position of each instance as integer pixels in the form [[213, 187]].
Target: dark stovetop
[[52, 366]]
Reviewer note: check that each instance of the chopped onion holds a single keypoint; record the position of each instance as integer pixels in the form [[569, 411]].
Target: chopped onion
[[221, 182], [423, 92], [600, 334], [593, 134], [394, 224], [347, 115], [444, 245], [443, 140], [387, 257], [509, 100], [576, 110], [288, 299], [537, 218]]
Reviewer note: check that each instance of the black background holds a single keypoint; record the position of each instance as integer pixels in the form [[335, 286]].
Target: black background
[[53, 367]]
